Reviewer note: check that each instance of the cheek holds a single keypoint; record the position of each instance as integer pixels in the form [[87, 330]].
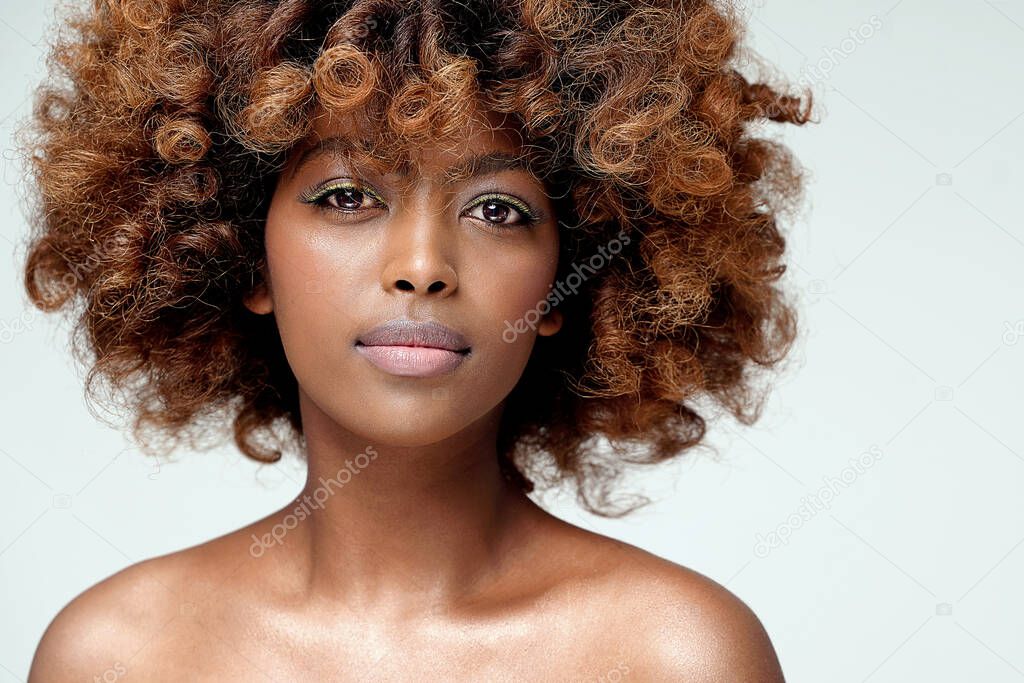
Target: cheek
[[512, 297], [312, 283], [523, 285], [524, 292], [295, 253]]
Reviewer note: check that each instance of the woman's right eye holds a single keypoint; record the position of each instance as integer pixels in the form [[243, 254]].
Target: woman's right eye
[[345, 198]]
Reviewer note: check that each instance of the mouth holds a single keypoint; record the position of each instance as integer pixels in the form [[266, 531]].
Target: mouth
[[410, 348], [413, 361], [415, 333]]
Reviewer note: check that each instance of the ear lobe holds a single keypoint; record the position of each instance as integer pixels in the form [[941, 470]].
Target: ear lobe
[[258, 301], [551, 323]]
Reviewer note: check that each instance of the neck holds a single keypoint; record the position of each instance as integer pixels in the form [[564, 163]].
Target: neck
[[404, 528]]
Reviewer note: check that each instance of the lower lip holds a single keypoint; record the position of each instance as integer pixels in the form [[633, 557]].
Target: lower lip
[[412, 361]]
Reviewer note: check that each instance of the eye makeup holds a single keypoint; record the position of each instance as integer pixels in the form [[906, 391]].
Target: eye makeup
[[318, 194], [529, 215]]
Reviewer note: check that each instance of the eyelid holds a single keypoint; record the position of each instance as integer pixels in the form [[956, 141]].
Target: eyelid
[[317, 192], [519, 205]]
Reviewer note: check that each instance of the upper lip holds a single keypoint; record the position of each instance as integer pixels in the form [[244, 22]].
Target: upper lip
[[403, 332]]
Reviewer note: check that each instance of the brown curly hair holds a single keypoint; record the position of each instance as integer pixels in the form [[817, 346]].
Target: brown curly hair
[[155, 146]]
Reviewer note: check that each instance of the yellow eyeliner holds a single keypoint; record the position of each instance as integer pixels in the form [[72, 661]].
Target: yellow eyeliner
[[512, 201], [320, 193]]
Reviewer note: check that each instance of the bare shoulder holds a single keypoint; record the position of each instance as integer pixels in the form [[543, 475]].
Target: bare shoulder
[[696, 629], [103, 630], [674, 623]]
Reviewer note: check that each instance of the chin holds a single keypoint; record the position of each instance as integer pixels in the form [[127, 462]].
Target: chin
[[407, 423]]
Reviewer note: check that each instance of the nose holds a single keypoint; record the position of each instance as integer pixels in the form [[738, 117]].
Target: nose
[[418, 261]]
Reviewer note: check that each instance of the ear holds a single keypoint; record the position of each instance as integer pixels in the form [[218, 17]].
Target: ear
[[551, 323], [259, 300]]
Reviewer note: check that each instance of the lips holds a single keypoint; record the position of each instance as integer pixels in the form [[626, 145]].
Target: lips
[[403, 332], [410, 348]]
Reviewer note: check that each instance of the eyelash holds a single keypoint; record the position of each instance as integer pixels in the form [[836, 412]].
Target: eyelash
[[317, 196]]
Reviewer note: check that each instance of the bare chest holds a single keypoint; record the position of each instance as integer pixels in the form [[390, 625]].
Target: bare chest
[[563, 648]]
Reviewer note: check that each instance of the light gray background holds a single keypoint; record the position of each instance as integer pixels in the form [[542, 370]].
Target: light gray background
[[906, 260]]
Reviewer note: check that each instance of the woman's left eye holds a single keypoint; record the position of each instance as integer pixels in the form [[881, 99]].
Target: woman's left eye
[[497, 209]]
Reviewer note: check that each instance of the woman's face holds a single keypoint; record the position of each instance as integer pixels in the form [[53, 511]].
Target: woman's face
[[476, 255]]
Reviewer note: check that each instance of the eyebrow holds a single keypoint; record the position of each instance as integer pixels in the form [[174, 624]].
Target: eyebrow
[[482, 164]]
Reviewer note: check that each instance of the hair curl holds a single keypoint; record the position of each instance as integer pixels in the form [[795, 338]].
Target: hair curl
[[155, 146]]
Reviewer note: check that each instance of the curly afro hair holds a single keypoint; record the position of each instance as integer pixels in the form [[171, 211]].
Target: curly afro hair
[[154, 147]]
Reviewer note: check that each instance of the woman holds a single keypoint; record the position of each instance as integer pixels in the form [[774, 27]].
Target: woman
[[440, 250]]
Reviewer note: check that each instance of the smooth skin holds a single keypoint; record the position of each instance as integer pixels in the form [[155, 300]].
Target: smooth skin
[[421, 563]]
